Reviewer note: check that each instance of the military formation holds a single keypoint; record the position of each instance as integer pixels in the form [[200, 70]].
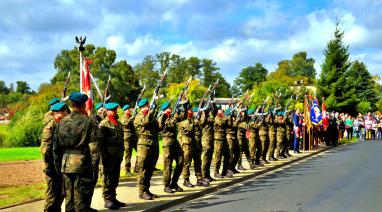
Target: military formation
[[79, 148]]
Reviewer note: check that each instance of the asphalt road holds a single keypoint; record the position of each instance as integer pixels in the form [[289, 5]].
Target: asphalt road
[[346, 178]]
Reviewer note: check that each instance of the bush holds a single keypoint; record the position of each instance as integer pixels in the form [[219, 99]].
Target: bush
[[26, 126], [26, 131]]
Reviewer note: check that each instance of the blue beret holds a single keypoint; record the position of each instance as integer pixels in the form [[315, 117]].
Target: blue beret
[[227, 111], [78, 97], [218, 107], [195, 109], [127, 106], [143, 102], [53, 101], [164, 106], [280, 113], [58, 106], [99, 105], [111, 106], [250, 111]]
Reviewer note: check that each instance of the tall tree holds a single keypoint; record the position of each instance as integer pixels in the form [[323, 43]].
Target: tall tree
[[147, 74], [23, 87], [335, 64], [250, 76], [300, 65], [3, 88]]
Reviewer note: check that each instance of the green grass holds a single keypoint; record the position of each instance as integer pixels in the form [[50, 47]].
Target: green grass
[[348, 141], [18, 194], [21, 153]]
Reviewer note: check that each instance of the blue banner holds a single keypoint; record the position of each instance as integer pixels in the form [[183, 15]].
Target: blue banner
[[315, 113]]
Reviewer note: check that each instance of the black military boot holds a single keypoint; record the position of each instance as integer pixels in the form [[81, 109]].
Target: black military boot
[[120, 204], [235, 171], [111, 204], [153, 195], [273, 159], [167, 189], [145, 196], [208, 179], [176, 187], [279, 157], [201, 182], [228, 174], [187, 183], [217, 175]]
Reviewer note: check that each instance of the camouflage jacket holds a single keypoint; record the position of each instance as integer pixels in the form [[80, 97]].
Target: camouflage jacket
[[97, 118], [271, 124], [147, 129], [167, 127], [253, 128], [231, 127], [128, 128], [281, 127], [75, 144], [220, 127], [186, 131], [197, 129], [241, 127], [289, 125], [207, 124], [263, 127], [47, 144], [111, 138]]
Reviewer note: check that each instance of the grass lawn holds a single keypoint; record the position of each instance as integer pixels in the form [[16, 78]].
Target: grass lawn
[[348, 141], [19, 194], [21, 153]]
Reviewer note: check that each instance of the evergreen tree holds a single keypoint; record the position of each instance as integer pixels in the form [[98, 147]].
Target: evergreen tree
[[335, 65]]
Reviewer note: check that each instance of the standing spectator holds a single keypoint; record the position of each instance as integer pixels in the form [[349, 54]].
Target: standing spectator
[[356, 128], [341, 127], [349, 127], [379, 129], [368, 125]]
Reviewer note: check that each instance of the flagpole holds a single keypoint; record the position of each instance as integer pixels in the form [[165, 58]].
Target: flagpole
[[81, 42]]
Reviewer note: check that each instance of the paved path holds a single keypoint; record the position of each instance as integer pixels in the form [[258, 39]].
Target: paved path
[[347, 178], [128, 191]]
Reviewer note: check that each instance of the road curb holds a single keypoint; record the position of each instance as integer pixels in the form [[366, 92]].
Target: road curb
[[198, 194]]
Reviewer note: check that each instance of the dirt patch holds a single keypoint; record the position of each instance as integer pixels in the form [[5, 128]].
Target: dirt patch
[[21, 173]]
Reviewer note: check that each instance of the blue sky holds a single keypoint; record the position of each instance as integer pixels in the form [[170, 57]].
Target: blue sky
[[235, 34]]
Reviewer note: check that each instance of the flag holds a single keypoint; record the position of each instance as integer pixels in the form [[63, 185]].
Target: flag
[[325, 119], [315, 113], [307, 120], [85, 82]]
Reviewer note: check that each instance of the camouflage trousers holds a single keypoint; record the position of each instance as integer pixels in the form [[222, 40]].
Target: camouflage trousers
[[53, 194], [170, 154], [244, 148], [264, 147], [281, 143], [197, 157], [255, 149], [207, 153], [130, 144], [111, 174], [272, 145], [147, 158], [288, 143], [234, 151], [191, 153], [78, 189], [221, 151]]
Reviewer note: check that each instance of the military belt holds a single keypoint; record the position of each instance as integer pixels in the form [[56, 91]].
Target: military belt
[[73, 151]]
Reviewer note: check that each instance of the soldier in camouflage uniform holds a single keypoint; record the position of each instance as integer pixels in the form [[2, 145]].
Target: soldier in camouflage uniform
[[281, 134], [233, 144], [241, 137], [49, 115], [197, 151], [146, 125], [263, 135], [289, 134], [76, 154], [98, 117], [172, 150], [271, 137], [207, 123], [221, 146], [255, 146], [129, 137], [186, 137], [53, 195], [112, 149]]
